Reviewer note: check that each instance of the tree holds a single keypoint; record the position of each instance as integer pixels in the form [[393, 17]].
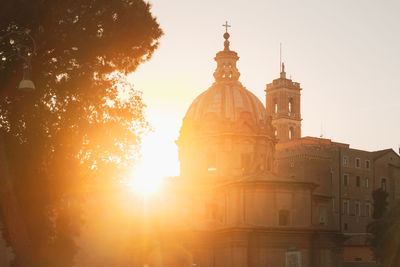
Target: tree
[[376, 227], [387, 245], [82, 125]]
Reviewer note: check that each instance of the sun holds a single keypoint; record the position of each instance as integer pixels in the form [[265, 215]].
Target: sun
[[144, 181], [156, 163]]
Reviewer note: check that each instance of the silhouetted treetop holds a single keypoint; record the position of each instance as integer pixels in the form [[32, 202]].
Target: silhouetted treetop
[[84, 121], [115, 34]]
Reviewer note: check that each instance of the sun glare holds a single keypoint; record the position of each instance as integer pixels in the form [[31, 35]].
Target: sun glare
[[144, 181], [146, 178]]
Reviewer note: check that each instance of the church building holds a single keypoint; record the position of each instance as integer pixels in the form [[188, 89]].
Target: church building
[[253, 192], [237, 210]]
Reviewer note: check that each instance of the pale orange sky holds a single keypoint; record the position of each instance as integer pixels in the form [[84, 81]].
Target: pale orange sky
[[345, 54]]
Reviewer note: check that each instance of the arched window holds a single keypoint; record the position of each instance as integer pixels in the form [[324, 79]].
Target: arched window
[[291, 133], [275, 106], [276, 132], [284, 217], [290, 105], [367, 209], [383, 184]]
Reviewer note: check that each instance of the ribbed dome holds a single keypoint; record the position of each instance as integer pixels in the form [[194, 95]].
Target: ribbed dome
[[227, 105], [227, 130], [227, 101]]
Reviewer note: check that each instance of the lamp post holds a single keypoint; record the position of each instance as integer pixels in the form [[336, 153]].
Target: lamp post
[[23, 45]]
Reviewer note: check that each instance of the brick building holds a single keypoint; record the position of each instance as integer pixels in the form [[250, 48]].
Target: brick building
[[345, 176]]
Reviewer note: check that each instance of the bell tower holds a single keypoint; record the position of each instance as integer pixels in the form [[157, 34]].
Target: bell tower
[[283, 105]]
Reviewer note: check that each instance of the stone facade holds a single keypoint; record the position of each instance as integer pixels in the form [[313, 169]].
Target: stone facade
[[252, 192], [233, 208]]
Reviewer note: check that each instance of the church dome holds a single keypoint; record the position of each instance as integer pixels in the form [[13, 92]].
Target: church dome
[[227, 101], [226, 131]]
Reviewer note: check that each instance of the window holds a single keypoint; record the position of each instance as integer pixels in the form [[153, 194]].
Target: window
[[276, 132], [322, 215], [368, 209], [291, 133], [358, 163], [345, 160], [345, 207], [268, 163], [211, 161], [290, 105], [367, 164], [332, 180], [345, 226], [263, 161], [383, 184], [357, 208], [346, 181], [276, 107], [246, 162], [283, 217], [358, 181], [366, 182]]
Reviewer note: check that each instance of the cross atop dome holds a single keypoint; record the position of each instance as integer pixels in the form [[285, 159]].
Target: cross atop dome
[[226, 36], [226, 25]]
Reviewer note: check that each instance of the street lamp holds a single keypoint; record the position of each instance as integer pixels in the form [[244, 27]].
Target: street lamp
[[23, 51], [26, 84]]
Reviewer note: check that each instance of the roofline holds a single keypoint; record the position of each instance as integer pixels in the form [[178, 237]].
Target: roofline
[[310, 140], [318, 141], [385, 153], [394, 166]]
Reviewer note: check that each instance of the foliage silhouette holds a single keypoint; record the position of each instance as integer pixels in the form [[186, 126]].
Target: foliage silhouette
[[78, 128], [388, 243], [376, 227]]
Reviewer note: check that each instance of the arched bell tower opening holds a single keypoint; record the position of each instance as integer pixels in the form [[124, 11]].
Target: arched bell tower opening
[[283, 105], [290, 105]]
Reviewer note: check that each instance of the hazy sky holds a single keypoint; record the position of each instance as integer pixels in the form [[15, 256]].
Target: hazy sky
[[345, 55]]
